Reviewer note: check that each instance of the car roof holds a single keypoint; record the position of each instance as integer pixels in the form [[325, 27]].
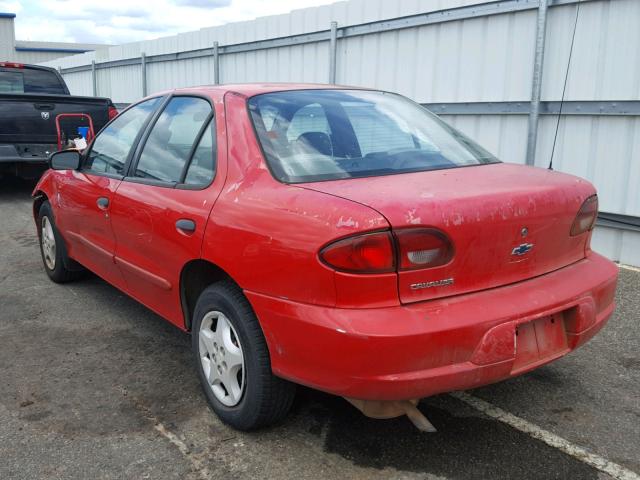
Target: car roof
[[251, 89]]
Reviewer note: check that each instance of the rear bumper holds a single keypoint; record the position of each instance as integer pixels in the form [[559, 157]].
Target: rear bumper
[[455, 343], [37, 154]]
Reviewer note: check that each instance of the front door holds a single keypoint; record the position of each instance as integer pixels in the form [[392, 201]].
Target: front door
[[86, 195], [160, 210]]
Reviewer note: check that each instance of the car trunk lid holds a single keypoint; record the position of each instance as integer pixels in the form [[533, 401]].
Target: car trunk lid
[[507, 222]]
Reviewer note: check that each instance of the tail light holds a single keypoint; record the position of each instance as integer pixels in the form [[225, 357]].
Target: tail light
[[379, 252], [11, 65], [423, 248], [368, 253], [586, 217], [113, 112]]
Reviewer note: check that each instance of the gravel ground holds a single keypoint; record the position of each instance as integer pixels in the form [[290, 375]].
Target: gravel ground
[[93, 385]]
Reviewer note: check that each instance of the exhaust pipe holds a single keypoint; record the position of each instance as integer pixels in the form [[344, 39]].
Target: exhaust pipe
[[382, 409]]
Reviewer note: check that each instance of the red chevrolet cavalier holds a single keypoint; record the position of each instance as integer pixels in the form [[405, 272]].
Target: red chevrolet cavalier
[[340, 238]]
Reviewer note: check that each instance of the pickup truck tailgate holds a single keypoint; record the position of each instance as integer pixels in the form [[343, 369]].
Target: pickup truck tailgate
[[30, 118]]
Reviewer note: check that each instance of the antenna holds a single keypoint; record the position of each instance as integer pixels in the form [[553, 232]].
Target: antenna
[[564, 88]]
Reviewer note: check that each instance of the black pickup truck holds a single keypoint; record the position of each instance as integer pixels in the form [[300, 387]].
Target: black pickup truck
[[31, 97]]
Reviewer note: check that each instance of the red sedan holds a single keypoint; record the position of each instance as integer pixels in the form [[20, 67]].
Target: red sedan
[[340, 238]]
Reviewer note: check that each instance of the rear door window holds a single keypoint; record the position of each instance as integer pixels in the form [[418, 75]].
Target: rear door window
[[112, 146], [172, 140]]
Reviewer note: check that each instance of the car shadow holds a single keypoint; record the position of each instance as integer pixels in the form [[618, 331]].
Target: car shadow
[[466, 446], [15, 188]]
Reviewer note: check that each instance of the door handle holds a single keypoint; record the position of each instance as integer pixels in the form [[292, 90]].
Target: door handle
[[44, 106], [103, 203], [186, 225]]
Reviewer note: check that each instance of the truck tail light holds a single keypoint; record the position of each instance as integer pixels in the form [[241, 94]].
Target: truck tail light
[[368, 253], [380, 252], [586, 217], [113, 112], [422, 248], [11, 65]]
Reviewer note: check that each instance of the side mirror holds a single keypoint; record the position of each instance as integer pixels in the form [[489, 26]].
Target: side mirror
[[65, 160]]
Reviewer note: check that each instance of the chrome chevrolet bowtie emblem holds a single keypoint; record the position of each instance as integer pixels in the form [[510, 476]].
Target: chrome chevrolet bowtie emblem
[[522, 249]]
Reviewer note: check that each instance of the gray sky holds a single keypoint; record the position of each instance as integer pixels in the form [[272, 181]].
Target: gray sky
[[120, 21]]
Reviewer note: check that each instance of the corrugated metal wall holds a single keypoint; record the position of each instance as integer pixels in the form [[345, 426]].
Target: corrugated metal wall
[[28, 56], [7, 39], [488, 58]]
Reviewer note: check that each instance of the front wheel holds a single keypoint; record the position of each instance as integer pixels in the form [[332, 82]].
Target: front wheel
[[233, 362]]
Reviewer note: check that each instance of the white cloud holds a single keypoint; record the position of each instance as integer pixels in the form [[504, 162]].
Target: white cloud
[[120, 21], [13, 6]]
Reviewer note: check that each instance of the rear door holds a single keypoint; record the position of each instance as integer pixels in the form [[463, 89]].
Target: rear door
[[161, 208], [86, 195]]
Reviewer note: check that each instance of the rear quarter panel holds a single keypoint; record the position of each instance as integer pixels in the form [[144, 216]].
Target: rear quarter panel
[[266, 235]]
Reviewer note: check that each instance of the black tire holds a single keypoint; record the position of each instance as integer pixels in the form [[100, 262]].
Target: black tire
[[266, 399], [64, 268]]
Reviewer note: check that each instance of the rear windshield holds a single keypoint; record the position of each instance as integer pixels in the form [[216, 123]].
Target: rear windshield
[[314, 135], [26, 80]]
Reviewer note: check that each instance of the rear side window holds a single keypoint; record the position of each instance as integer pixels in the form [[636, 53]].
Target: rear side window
[[27, 80], [172, 140], [112, 146], [202, 168]]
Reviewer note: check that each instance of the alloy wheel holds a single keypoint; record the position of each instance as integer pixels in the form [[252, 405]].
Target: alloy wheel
[[221, 358], [48, 240]]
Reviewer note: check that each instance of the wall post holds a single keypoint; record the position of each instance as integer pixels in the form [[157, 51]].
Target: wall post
[[536, 84], [216, 63], [94, 79], [143, 73], [333, 47]]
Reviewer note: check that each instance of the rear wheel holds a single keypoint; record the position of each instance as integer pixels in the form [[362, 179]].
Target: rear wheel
[[233, 363], [52, 248]]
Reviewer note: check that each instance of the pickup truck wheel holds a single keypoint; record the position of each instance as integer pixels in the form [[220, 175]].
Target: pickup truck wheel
[[52, 248], [233, 363]]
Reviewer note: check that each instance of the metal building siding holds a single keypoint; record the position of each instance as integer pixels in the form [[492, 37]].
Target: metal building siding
[[7, 39], [464, 61], [79, 83], [128, 87], [482, 59], [618, 245], [604, 64], [297, 22], [604, 150], [27, 56]]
